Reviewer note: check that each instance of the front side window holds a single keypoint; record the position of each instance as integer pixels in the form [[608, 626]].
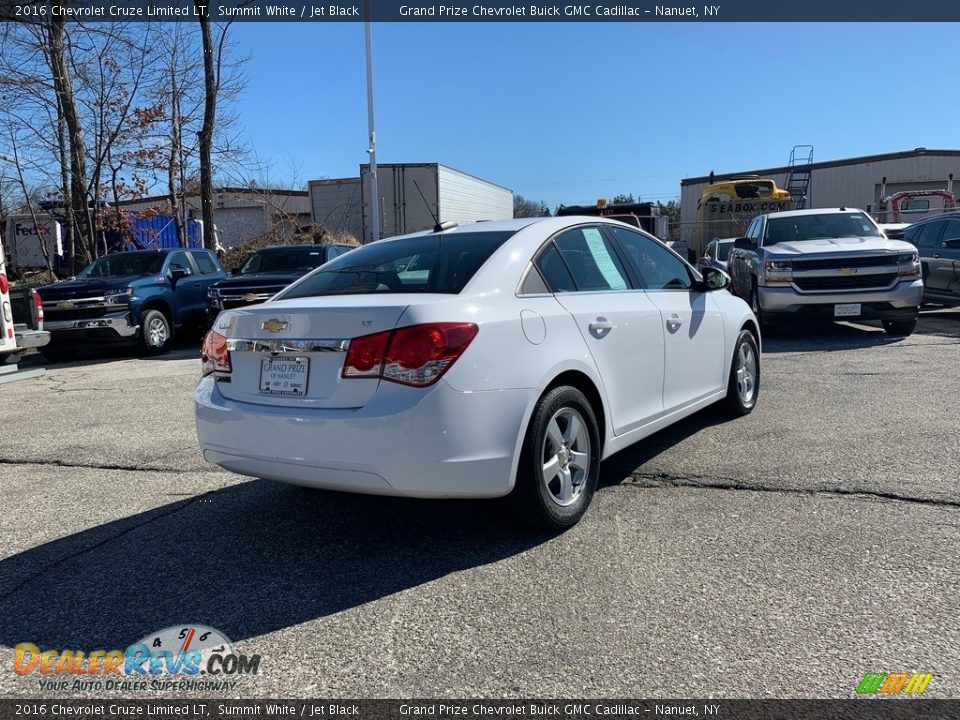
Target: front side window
[[591, 260], [656, 266], [421, 264], [179, 261]]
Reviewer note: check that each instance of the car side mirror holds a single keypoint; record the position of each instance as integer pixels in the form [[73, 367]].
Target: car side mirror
[[713, 279], [744, 243], [952, 244], [178, 274]]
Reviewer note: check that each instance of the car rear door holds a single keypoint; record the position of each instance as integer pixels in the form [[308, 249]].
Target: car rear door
[[695, 361], [619, 324], [926, 236]]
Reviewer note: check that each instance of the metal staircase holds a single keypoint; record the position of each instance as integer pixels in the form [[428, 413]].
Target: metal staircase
[[798, 181]]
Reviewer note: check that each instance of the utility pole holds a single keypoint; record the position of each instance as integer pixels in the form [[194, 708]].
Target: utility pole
[[372, 145]]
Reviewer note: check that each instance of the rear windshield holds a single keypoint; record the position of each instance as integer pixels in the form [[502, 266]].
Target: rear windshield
[[809, 227], [286, 260], [723, 250], [423, 264]]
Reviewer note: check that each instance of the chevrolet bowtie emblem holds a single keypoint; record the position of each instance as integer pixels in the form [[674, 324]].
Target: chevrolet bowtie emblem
[[274, 325], [847, 272], [249, 297], [65, 304]]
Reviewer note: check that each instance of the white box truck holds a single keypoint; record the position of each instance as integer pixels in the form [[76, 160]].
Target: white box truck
[[24, 237], [413, 197]]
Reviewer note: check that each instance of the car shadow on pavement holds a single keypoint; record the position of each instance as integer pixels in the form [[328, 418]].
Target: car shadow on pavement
[[825, 338], [618, 467], [248, 559]]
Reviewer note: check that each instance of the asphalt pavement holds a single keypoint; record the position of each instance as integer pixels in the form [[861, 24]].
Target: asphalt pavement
[[784, 554]]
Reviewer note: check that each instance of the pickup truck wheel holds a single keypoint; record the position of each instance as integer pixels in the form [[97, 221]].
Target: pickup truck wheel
[[900, 328], [155, 334], [758, 312], [743, 387]]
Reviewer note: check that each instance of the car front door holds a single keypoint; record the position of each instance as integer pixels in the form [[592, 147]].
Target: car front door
[[947, 259], [695, 359], [619, 324], [189, 292]]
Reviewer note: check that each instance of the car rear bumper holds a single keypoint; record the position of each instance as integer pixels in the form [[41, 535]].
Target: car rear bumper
[[407, 441], [900, 302]]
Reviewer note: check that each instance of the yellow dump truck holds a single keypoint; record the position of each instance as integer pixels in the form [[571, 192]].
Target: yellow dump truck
[[727, 207]]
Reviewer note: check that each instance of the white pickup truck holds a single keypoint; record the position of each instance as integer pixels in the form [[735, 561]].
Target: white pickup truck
[[826, 264]]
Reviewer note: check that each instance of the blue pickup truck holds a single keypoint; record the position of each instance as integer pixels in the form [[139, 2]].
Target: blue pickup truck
[[142, 297]]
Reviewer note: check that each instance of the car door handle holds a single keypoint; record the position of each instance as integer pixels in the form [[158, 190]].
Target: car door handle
[[936, 255], [600, 327], [674, 322], [196, 284]]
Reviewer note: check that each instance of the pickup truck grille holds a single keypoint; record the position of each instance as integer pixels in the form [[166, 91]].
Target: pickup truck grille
[[854, 262], [238, 297], [851, 282], [82, 313]]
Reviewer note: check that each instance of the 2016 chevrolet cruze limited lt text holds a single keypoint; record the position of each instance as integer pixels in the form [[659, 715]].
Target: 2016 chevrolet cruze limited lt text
[[501, 358]]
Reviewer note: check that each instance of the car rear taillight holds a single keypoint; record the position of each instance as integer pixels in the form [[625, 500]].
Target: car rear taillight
[[4, 284], [37, 309], [215, 356], [417, 355]]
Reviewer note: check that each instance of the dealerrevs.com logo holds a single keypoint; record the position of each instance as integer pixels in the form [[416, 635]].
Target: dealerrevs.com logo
[[180, 657], [894, 683]]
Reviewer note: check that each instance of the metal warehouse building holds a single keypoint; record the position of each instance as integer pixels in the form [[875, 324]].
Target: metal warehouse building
[[853, 182]]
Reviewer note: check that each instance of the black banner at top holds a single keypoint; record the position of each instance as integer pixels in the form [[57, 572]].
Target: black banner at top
[[480, 11]]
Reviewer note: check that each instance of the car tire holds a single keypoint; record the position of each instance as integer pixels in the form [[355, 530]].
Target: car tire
[[900, 328], [560, 461], [743, 386], [155, 333]]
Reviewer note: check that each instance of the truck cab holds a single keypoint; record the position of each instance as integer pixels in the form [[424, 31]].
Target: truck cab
[[141, 297], [828, 265]]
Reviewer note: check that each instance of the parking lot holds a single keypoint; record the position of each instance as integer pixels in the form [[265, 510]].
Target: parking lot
[[783, 554]]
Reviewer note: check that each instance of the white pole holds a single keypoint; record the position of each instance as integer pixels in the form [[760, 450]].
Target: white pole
[[372, 148]]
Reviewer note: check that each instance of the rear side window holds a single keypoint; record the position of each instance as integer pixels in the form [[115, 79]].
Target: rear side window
[[423, 264], [554, 270], [204, 262], [927, 234]]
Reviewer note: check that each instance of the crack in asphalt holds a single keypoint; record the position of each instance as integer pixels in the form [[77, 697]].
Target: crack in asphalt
[[89, 466], [660, 480], [158, 515]]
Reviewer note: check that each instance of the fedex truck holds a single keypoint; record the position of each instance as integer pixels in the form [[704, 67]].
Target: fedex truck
[[25, 237]]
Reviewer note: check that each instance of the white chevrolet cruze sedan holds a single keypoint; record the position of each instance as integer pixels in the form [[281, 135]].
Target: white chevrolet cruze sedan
[[491, 359]]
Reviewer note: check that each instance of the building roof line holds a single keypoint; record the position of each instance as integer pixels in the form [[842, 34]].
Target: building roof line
[[917, 152]]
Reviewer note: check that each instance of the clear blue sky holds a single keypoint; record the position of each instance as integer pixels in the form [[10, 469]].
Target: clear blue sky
[[567, 113]]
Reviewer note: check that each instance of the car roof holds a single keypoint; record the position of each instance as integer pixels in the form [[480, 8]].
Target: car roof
[[815, 211], [948, 215], [549, 224], [303, 246]]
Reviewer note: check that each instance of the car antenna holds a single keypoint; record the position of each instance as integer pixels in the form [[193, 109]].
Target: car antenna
[[438, 226]]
